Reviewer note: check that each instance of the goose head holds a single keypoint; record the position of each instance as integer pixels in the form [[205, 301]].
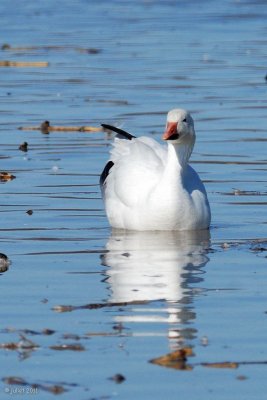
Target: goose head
[[179, 127]]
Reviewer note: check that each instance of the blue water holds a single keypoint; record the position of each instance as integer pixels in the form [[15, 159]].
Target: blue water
[[153, 294]]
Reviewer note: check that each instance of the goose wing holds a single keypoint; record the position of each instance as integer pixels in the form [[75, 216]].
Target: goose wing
[[134, 169]]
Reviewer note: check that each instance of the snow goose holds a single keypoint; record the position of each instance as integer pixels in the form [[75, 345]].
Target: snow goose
[[147, 186]]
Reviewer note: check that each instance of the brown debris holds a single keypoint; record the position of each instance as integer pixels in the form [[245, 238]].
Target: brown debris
[[6, 176], [3, 268], [232, 364], [26, 343], [225, 364], [95, 306], [73, 347], [39, 64], [176, 360], [15, 380], [4, 263], [75, 128], [24, 147], [9, 346], [23, 344], [63, 308], [45, 127], [55, 389], [3, 257]]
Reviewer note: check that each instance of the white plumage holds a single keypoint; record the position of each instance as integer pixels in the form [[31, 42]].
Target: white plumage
[[148, 186]]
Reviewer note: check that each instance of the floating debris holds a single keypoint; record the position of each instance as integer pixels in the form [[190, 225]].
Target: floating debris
[[45, 127], [95, 306], [255, 245], [4, 263], [26, 343], [90, 50], [231, 364], [176, 360], [72, 347], [29, 332], [9, 346], [71, 336], [24, 147], [225, 364], [238, 192], [23, 344], [259, 249], [15, 380], [61, 309], [47, 331], [75, 128], [38, 64], [117, 378], [6, 176], [107, 334], [29, 212]]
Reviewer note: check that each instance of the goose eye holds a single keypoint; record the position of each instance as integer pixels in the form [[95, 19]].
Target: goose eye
[[184, 120]]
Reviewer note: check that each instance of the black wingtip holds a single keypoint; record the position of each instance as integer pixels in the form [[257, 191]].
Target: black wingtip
[[121, 133], [105, 173]]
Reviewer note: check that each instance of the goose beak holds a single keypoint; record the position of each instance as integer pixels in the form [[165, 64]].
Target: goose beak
[[171, 132]]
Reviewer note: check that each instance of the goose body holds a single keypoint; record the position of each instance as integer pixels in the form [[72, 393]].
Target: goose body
[[149, 186]]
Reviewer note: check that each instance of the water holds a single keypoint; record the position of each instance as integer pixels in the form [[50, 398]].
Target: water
[[80, 303]]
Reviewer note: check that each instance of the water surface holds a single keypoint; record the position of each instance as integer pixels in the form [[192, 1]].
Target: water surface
[[80, 303]]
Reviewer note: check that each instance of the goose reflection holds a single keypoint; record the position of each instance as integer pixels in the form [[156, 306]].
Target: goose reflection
[[151, 266]]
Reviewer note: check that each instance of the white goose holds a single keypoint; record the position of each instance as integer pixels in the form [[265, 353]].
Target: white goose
[[147, 186]]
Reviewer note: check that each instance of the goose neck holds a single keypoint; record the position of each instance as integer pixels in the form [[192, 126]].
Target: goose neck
[[178, 155]]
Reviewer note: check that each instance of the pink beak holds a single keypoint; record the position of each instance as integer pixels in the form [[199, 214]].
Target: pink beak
[[170, 130]]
